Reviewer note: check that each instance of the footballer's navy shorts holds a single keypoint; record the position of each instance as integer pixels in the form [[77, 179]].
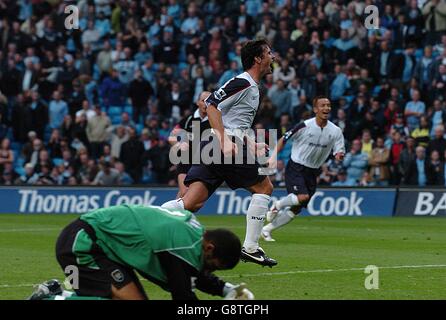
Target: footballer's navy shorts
[[300, 179], [76, 246], [236, 176], [183, 168]]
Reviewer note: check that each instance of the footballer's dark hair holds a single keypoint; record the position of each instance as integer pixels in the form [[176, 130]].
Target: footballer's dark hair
[[227, 246], [251, 50], [317, 98]]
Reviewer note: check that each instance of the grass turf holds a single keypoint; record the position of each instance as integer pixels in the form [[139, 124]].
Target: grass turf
[[319, 257]]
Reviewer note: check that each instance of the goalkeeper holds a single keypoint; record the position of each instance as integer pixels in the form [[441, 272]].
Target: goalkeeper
[[167, 247]]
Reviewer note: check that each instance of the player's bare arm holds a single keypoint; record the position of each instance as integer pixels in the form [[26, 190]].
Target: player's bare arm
[[272, 161], [227, 146]]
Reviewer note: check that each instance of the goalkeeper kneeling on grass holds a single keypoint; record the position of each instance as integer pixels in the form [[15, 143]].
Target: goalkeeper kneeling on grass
[[167, 247]]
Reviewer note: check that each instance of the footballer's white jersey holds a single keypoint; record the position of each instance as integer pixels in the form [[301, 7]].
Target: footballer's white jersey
[[312, 144], [238, 100]]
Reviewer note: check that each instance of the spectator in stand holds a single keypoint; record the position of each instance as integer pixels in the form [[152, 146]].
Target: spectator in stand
[[58, 109], [280, 97], [355, 161], [39, 114], [400, 126], [342, 122], [437, 117], [435, 167], [140, 91], [414, 110], [438, 143], [33, 156], [367, 143], [285, 72], [85, 110], [123, 178], [29, 176], [171, 42], [229, 74], [421, 134], [434, 12], [339, 85], [416, 172], [158, 155], [67, 128], [131, 155], [298, 113], [439, 83], [343, 180], [112, 90], [44, 160], [118, 135], [379, 164], [424, 69], [6, 154], [396, 149], [97, 131], [107, 176]]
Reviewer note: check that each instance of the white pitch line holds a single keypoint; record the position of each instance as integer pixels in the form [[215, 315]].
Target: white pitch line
[[29, 230], [16, 285], [280, 273], [334, 270]]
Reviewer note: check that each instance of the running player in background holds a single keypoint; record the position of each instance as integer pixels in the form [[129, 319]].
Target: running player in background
[[313, 141], [231, 111], [167, 247], [186, 126]]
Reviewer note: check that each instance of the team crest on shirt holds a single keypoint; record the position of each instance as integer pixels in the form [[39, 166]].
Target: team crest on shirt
[[117, 275]]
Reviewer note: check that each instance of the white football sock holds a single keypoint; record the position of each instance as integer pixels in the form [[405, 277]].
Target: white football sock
[[66, 293], [255, 218], [283, 217], [289, 201], [176, 204]]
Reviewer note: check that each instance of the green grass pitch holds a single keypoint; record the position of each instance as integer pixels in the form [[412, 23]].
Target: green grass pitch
[[319, 257]]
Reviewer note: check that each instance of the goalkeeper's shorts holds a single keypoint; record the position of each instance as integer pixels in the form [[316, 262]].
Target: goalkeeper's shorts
[[76, 246]]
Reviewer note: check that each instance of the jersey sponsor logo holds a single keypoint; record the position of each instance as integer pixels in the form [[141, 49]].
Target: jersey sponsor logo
[[317, 145], [117, 275]]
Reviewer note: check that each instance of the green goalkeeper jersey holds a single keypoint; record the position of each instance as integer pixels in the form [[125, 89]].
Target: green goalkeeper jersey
[[133, 235]]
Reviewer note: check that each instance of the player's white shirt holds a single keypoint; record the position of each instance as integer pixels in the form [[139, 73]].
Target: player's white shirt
[[238, 100], [312, 144]]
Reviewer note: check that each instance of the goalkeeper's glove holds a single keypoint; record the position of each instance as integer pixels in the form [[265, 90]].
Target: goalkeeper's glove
[[237, 292]]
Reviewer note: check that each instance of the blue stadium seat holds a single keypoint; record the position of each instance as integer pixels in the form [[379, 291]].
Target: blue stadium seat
[[16, 146], [19, 161], [114, 110], [128, 109], [57, 161], [115, 119], [19, 170], [139, 128]]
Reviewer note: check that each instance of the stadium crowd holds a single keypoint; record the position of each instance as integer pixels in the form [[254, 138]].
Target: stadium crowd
[[95, 105]]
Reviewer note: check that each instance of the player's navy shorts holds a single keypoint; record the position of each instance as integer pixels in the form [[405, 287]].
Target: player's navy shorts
[[76, 246], [300, 179], [183, 168], [236, 176]]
